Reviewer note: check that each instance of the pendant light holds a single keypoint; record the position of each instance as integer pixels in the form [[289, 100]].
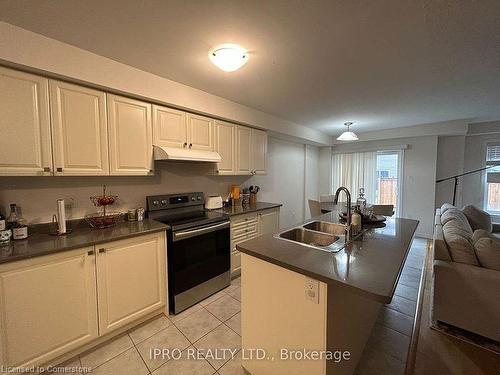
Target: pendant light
[[348, 135]]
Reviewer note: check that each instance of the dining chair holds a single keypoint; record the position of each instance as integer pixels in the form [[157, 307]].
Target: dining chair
[[383, 209], [314, 208]]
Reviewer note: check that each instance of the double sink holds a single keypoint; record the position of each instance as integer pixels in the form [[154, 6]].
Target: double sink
[[320, 235]]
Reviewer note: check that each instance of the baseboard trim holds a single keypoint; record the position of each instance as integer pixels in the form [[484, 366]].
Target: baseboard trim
[[412, 350]]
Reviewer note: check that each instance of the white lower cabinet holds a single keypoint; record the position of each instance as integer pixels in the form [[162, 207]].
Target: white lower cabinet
[[131, 280], [54, 304], [269, 221], [48, 307], [247, 226]]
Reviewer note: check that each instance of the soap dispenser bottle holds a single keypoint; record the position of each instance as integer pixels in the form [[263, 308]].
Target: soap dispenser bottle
[[356, 221]]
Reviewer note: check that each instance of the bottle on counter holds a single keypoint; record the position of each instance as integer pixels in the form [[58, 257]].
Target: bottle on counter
[[361, 201], [3, 224], [12, 219], [17, 224], [5, 233], [356, 224]]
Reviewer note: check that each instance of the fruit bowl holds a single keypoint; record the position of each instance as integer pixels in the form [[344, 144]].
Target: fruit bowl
[[103, 200], [100, 221]]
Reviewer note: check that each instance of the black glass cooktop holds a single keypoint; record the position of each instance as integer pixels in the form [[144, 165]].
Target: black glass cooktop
[[184, 220]]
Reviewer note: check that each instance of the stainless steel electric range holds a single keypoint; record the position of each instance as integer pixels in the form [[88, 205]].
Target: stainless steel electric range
[[198, 247]]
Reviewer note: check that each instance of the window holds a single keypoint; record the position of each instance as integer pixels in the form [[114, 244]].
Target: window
[[492, 180], [387, 178], [378, 172]]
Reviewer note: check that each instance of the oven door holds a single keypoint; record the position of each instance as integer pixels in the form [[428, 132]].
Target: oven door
[[197, 255]]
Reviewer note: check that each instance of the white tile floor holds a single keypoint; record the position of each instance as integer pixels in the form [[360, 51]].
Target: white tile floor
[[213, 323], [216, 323]]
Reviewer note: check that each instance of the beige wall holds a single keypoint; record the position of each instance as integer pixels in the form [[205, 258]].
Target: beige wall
[[37, 195], [450, 162], [311, 183], [284, 184]]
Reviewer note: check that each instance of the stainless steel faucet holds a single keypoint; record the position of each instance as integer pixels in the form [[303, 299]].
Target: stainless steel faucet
[[348, 195]]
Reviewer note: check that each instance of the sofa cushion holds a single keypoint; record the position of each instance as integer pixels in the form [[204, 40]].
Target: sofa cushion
[[440, 248], [445, 207], [459, 217], [459, 243], [478, 219], [487, 247]]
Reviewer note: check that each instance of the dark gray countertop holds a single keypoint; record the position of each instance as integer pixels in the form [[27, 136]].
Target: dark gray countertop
[[370, 265], [239, 210], [42, 243]]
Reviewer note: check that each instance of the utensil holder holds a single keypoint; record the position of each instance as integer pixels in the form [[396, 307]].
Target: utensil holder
[[253, 199]]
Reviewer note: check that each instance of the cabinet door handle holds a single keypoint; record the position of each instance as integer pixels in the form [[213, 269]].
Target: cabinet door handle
[[102, 250], [46, 169], [190, 145], [185, 144], [91, 252], [59, 169]]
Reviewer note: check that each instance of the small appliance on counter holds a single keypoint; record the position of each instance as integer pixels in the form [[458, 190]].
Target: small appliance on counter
[[213, 202]]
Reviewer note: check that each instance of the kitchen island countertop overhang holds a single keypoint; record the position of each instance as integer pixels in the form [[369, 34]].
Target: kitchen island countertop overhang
[[369, 265]]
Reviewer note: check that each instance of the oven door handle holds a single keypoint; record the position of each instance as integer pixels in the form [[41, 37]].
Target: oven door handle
[[196, 232]]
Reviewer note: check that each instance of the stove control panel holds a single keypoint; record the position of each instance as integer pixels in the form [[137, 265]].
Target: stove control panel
[[168, 201]]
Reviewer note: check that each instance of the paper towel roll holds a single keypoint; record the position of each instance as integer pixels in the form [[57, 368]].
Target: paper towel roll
[[61, 216]]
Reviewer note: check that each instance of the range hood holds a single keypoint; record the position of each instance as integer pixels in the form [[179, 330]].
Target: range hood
[[185, 154]]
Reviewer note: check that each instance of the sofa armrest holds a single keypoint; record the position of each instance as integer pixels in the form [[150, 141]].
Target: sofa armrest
[[466, 296]]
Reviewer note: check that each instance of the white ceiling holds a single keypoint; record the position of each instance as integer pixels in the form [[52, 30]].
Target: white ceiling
[[318, 63]]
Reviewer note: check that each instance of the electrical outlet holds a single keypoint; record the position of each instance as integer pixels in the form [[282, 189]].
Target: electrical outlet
[[312, 290]]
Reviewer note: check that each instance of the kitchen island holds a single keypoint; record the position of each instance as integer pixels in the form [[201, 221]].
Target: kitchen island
[[312, 311]]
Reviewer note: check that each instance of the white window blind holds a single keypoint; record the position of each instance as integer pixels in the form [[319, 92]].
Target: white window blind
[[492, 196], [493, 154]]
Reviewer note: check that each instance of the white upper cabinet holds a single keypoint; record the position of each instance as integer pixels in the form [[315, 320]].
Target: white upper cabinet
[[175, 128], [80, 135], [225, 145], [85, 132], [200, 132], [25, 140], [169, 127], [130, 136], [243, 150], [259, 152]]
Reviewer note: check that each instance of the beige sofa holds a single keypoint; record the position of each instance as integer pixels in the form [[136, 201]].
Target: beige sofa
[[466, 283]]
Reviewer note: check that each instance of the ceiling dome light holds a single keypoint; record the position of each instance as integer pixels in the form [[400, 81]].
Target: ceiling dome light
[[228, 57], [348, 135]]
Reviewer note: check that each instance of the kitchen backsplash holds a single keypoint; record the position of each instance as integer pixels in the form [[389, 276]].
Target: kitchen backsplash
[[36, 196]]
